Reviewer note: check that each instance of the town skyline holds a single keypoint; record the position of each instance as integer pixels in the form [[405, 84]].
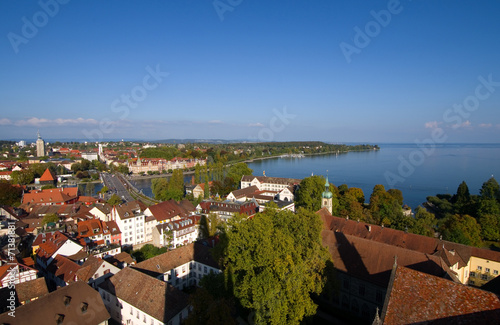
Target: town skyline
[[350, 72]]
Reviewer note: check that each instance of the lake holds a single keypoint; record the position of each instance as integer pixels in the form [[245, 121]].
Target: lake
[[417, 173]]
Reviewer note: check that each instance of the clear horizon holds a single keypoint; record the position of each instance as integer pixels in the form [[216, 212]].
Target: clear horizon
[[255, 71]]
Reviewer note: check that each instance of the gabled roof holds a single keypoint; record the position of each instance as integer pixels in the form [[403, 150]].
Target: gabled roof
[[48, 176], [167, 210], [160, 264], [51, 196], [130, 209], [372, 261], [244, 192], [89, 268], [51, 245], [450, 252], [152, 296], [76, 303], [64, 268], [418, 298]]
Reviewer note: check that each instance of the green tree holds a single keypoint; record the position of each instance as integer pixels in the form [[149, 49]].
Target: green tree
[[275, 261], [237, 171], [114, 200], [308, 195], [490, 189], [425, 223], [159, 187], [490, 227], [22, 177], [48, 218], [462, 229], [210, 225], [212, 303], [10, 195]]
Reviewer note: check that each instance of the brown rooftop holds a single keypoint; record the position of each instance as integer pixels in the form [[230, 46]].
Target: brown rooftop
[[152, 296], [66, 304], [31, 290], [418, 298]]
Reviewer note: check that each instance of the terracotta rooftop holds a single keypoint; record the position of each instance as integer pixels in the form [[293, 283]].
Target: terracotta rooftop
[[245, 191], [64, 268], [89, 268], [76, 303], [167, 261], [120, 258], [51, 196], [417, 298], [48, 176], [130, 209], [152, 296]]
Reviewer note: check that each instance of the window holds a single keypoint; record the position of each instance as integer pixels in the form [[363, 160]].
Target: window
[[379, 296], [361, 289], [137, 315], [472, 274], [131, 311], [480, 268], [471, 282], [205, 269], [495, 272], [487, 270], [484, 277]]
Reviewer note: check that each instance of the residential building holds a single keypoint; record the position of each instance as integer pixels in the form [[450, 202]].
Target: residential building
[[132, 297], [77, 303], [144, 165], [15, 273], [278, 184], [131, 220], [95, 270], [182, 267], [226, 209], [48, 178]]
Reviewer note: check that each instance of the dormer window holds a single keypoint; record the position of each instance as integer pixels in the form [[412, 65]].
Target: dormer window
[[83, 307], [59, 319], [67, 300]]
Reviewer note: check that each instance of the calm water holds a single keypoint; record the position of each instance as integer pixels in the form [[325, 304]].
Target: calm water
[[439, 172]]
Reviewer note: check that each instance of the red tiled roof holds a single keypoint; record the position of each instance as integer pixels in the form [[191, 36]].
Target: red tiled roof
[[64, 268], [47, 176], [52, 196], [418, 298]]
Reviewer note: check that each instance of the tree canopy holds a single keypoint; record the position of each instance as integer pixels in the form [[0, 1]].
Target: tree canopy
[[275, 262]]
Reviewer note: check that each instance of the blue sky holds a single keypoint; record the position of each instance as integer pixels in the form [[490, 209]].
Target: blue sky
[[257, 70]]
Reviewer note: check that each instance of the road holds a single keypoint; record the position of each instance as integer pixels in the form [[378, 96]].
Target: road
[[116, 186]]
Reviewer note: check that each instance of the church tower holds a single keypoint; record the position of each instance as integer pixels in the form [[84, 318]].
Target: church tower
[[40, 146], [326, 197]]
